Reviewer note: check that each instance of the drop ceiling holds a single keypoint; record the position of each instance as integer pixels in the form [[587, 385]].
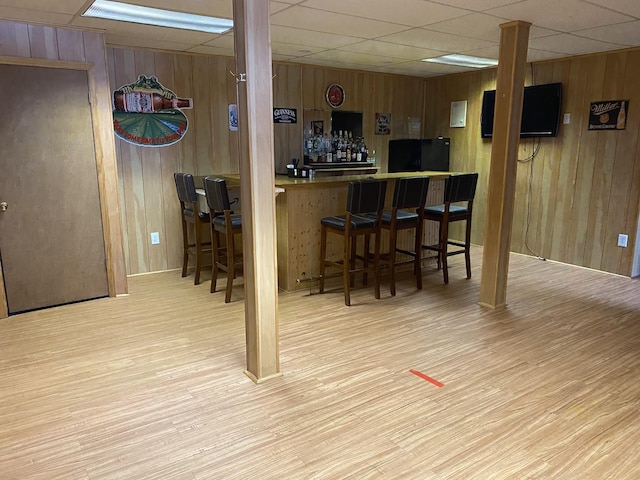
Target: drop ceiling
[[389, 36]]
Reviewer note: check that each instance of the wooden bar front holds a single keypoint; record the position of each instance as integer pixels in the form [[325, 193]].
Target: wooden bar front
[[302, 202], [305, 201]]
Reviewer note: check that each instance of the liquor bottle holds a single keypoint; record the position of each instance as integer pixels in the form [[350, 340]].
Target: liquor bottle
[[143, 102], [622, 118], [308, 142]]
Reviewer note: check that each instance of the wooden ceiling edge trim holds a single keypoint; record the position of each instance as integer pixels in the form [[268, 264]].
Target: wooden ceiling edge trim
[[44, 62]]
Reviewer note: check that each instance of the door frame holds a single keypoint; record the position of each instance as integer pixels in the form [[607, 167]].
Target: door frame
[[106, 164]]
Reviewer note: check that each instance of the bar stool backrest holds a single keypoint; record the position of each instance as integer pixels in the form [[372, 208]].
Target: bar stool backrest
[[180, 187], [190, 188], [410, 192], [217, 194], [460, 188], [366, 196]]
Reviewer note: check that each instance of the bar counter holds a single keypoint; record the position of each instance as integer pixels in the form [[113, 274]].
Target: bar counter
[[306, 200]]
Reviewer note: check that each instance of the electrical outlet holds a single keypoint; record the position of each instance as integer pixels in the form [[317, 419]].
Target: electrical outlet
[[155, 238], [622, 240], [567, 119]]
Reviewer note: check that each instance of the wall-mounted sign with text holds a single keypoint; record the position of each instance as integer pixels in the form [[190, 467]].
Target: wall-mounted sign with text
[[148, 114], [233, 117], [285, 115], [383, 124], [608, 115]]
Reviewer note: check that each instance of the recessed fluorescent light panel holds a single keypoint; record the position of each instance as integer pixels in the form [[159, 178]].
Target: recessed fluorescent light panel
[[155, 16], [463, 61]]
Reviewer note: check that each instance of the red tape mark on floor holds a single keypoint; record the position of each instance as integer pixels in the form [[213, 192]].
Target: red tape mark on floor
[[427, 378]]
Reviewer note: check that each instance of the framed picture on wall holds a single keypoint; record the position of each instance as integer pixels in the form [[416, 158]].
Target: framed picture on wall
[[317, 127], [233, 117], [383, 123]]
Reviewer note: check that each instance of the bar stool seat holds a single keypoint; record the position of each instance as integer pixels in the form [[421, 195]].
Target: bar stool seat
[[365, 201], [357, 223]]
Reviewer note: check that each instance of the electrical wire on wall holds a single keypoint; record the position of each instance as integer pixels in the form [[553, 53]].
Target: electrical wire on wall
[[529, 160]]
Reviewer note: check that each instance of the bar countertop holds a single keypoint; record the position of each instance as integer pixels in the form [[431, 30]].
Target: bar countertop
[[289, 182], [286, 182]]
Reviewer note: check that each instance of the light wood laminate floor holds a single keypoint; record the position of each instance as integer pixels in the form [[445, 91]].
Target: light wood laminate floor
[[150, 386]]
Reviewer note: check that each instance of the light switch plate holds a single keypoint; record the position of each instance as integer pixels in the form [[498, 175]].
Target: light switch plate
[[155, 238], [567, 119]]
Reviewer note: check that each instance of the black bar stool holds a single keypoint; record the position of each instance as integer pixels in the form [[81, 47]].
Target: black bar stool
[[407, 212], [363, 197], [459, 188], [191, 215], [223, 221]]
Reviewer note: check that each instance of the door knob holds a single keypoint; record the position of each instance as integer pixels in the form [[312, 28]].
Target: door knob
[[3, 206]]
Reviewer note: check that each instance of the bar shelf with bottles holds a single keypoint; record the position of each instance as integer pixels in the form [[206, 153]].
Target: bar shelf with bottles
[[337, 151]]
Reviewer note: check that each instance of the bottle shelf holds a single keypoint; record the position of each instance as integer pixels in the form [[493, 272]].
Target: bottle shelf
[[321, 165]]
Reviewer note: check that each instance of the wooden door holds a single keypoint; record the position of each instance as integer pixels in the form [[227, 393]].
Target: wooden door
[[51, 237]]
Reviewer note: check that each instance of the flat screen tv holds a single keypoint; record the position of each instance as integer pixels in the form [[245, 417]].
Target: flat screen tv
[[541, 107]]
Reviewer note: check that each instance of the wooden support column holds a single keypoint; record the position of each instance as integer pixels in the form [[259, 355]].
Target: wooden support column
[[255, 128], [514, 41]]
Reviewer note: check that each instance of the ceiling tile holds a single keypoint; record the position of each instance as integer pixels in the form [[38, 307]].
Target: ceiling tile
[[486, 52], [386, 49], [364, 34], [477, 5], [475, 25], [431, 69], [212, 9], [329, 22], [136, 30], [310, 38], [221, 41], [414, 13], [563, 15], [329, 63], [571, 44], [353, 58], [628, 7], [209, 50], [419, 37], [278, 6], [534, 55], [623, 34], [69, 7], [145, 43], [24, 15], [284, 58], [291, 50]]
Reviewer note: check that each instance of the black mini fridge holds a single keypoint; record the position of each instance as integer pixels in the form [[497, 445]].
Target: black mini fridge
[[415, 155]]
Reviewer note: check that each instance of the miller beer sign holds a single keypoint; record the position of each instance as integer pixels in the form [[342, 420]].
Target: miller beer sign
[[148, 114]]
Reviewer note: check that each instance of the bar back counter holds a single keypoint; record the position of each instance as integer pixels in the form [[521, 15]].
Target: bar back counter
[[302, 202]]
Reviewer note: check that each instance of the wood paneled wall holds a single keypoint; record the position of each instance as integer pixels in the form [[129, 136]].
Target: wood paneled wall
[[38, 45], [146, 174], [585, 185], [147, 190]]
